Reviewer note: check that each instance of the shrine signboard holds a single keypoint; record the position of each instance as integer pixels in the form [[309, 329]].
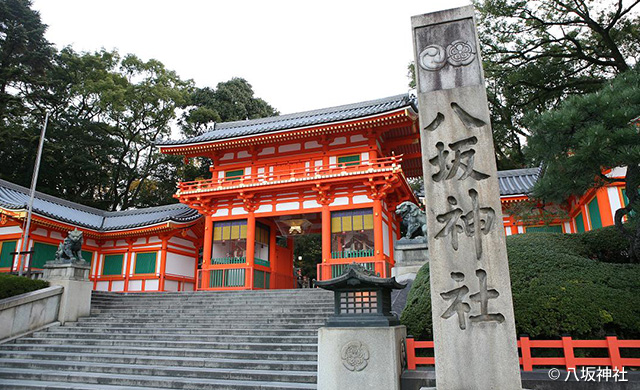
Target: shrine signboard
[[473, 322]]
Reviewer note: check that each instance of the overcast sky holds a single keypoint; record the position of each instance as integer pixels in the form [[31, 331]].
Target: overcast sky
[[297, 55]]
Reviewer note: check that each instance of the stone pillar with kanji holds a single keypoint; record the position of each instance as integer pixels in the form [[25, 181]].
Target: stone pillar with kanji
[[472, 309]]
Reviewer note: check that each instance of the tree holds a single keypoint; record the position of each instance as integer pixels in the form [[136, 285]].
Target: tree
[[585, 136], [24, 52], [537, 53]]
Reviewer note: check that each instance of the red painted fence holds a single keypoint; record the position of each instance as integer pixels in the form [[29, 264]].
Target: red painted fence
[[567, 344]]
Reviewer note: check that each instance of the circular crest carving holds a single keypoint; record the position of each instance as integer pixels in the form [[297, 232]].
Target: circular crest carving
[[460, 53], [355, 356], [433, 57]]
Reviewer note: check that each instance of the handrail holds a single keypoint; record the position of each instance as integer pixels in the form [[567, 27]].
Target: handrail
[[291, 175], [567, 344]]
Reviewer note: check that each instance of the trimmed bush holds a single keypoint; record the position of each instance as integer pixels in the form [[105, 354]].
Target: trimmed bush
[[11, 285], [607, 244], [558, 288]]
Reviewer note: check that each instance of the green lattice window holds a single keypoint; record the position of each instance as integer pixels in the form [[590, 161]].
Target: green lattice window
[[353, 159], [594, 214], [545, 229], [145, 263], [580, 223], [6, 258], [234, 174], [113, 265], [42, 253], [87, 256]]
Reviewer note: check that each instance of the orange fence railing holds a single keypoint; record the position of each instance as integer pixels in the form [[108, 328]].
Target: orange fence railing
[[289, 173], [326, 271], [612, 344]]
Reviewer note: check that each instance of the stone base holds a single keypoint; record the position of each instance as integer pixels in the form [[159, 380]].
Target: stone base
[[410, 256], [76, 297], [360, 358]]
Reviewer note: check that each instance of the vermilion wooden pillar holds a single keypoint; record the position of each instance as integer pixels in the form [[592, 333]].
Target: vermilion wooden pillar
[[251, 248], [163, 262], [326, 242], [127, 273], [377, 230], [206, 251]]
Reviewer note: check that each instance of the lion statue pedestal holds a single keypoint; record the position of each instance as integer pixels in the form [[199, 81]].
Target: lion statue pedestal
[[70, 271]]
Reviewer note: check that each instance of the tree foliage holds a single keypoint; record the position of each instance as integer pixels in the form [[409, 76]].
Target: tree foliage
[[585, 136], [537, 53]]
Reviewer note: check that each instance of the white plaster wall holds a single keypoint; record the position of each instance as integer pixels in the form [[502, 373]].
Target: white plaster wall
[[340, 201], [358, 138], [187, 287], [91, 242], [618, 172], [243, 154], [287, 206], [339, 141], [567, 227], [140, 241], [170, 285], [152, 285], [332, 160], [135, 285], [289, 148], [39, 232], [180, 265], [117, 285], [614, 199], [364, 156], [359, 199], [221, 213], [265, 208], [507, 230], [317, 163], [121, 243], [102, 286], [385, 238], [238, 211], [269, 150], [520, 229], [10, 230], [56, 235], [311, 145], [227, 156], [310, 204], [181, 241]]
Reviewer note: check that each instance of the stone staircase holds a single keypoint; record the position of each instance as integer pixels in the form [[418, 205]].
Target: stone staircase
[[189, 340]]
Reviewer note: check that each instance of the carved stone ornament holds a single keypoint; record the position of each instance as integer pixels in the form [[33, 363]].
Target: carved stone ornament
[[355, 356], [433, 58], [415, 220], [460, 53]]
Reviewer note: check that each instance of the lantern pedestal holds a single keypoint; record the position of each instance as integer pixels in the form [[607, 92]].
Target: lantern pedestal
[[369, 358], [76, 296]]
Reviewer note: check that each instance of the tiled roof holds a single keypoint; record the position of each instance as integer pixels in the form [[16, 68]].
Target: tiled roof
[[229, 130], [517, 181], [15, 197]]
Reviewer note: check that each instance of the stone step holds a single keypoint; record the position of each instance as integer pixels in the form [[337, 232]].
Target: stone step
[[259, 310], [203, 322], [208, 337], [231, 320], [44, 385], [163, 351], [238, 374], [117, 358], [176, 329], [142, 380], [172, 344]]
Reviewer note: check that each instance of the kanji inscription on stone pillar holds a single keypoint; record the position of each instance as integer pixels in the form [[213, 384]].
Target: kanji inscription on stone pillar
[[473, 324]]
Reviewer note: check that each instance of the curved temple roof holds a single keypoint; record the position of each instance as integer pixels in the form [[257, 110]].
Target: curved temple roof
[[15, 197], [229, 130], [517, 181]]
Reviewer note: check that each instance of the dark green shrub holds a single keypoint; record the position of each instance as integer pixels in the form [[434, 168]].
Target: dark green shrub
[[607, 244], [11, 285], [557, 289]]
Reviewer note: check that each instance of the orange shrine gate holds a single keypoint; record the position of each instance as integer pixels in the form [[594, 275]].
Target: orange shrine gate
[[338, 171]]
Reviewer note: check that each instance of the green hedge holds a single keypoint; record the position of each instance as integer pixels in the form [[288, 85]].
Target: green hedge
[[11, 285], [561, 285]]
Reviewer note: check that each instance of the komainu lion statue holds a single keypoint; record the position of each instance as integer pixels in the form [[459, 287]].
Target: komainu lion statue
[[69, 251], [414, 218]]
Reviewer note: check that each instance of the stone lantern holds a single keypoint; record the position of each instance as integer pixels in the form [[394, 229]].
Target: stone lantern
[[362, 344], [361, 298]]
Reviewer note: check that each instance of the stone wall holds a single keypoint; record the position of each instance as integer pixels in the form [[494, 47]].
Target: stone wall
[[30, 311]]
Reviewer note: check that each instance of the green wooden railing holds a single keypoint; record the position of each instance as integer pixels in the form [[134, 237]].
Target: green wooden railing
[[226, 277], [338, 269], [261, 279], [351, 254], [264, 263], [228, 260]]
